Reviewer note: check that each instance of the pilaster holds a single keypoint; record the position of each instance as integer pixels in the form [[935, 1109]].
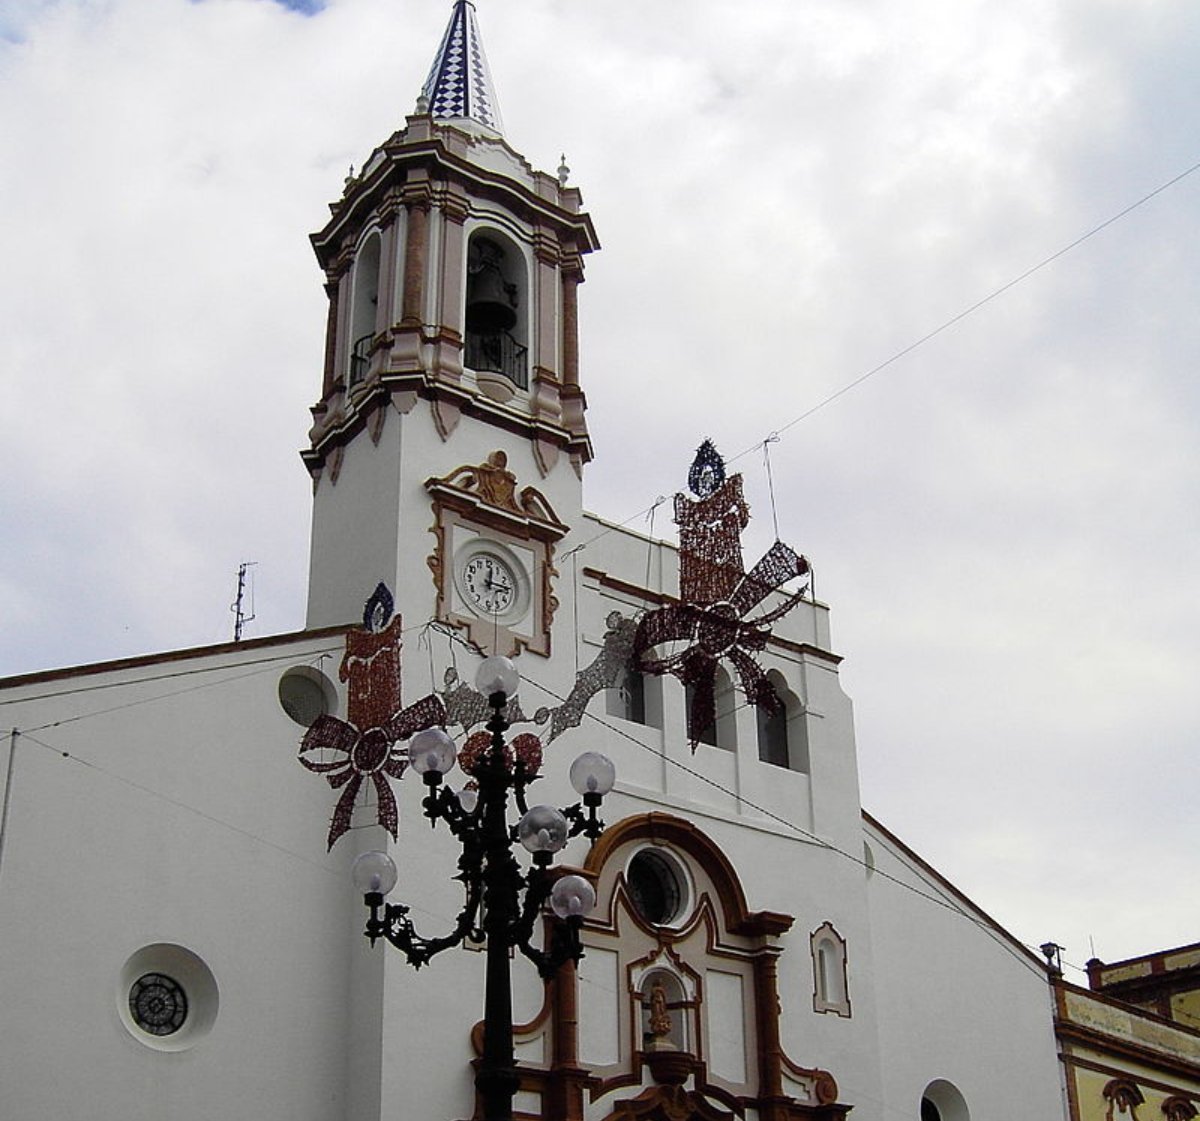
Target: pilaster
[[448, 342], [417, 197]]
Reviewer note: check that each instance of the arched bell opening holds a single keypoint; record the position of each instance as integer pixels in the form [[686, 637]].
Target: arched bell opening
[[627, 698], [722, 732], [496, 310], [364, 309]]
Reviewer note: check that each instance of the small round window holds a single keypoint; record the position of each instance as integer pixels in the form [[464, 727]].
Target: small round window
[[167, 997], [306, 693], [657, 886]]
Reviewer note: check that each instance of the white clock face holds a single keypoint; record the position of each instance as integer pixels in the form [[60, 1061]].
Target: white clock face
[[489, 583]]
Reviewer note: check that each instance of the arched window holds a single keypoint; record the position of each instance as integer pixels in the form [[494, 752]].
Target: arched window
[[627, 699], [496, 311], [830, 989], [782, 734], [365, 304], [723, 732], [773, 736]]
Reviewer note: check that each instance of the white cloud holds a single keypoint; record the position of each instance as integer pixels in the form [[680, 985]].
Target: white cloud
[[1003, 521]]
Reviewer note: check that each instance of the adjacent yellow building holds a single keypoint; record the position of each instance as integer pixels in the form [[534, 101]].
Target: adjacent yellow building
[[1130, 1044]]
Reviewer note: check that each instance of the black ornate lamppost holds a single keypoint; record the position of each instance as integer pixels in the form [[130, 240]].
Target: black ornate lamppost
[[502, 902]]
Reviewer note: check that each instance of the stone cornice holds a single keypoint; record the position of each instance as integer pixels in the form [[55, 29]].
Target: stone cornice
[[341, 430], [433, 157]]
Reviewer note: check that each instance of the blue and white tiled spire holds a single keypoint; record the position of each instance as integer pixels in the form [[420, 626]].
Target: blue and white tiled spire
[[459, 83]]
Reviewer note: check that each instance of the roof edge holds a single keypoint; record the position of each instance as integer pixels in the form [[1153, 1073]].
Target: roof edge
[[139, 660], [928, 869]]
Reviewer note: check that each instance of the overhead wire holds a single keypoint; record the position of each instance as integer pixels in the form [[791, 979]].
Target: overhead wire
[[265, 664], [808, 837], [453, 640], [854, 383], [176, 802], [773, 437]]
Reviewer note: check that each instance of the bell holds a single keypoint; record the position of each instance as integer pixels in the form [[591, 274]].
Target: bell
[[489, 306], [490, 302]]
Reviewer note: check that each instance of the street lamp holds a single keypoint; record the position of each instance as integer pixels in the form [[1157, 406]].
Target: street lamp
[[502, 902]]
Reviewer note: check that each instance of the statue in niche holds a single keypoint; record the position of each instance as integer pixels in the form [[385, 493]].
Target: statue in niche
[[659, 1024], [660, 1016]]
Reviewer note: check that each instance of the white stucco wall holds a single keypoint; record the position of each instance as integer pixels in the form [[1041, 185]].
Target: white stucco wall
[[177, 815], [958, 1000]]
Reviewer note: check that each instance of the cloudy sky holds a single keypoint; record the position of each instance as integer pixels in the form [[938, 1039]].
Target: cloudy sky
[[790, 192]]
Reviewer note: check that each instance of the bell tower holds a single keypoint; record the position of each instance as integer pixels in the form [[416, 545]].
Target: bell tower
[[452, 270]]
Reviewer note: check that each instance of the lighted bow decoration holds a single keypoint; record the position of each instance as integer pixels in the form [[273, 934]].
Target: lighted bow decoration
[[716, 597], [376, 723]]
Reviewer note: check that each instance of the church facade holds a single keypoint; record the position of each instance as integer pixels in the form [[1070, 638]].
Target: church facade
[[180, 933]]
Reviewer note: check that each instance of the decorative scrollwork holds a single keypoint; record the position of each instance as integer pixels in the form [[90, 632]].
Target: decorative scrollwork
[[1123, 1097]]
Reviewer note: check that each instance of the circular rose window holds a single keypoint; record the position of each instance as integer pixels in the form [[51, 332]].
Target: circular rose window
[[158, 1004], [657, 886]]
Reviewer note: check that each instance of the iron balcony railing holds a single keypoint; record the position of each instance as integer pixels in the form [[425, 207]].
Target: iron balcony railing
[[360, 358], [499, 353]]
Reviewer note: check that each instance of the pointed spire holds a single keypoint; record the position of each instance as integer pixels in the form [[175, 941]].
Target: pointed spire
[[459, 85]]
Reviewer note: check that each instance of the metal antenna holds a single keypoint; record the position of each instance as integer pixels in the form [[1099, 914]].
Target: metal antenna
[[238, 605]]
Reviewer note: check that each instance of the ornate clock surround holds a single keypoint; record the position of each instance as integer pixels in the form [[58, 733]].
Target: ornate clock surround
[[478, 511]]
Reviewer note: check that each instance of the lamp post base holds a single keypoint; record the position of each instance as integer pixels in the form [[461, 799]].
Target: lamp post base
[[495, 1089]]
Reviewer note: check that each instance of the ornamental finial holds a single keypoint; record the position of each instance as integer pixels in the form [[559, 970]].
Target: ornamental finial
[[707, 472]]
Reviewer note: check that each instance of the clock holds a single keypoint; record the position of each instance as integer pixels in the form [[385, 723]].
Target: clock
[[493, 564], [491, 583]]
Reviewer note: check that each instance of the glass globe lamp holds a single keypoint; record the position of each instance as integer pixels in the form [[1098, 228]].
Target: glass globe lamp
[[543, 829], [373, 873], [593, 773], [497, 674], [431, 750], [572, 896]]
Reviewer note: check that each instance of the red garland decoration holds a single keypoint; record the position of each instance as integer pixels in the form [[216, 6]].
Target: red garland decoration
[[474, 749], [717, 595], [528, 750], [525, 748], [376, 723]]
